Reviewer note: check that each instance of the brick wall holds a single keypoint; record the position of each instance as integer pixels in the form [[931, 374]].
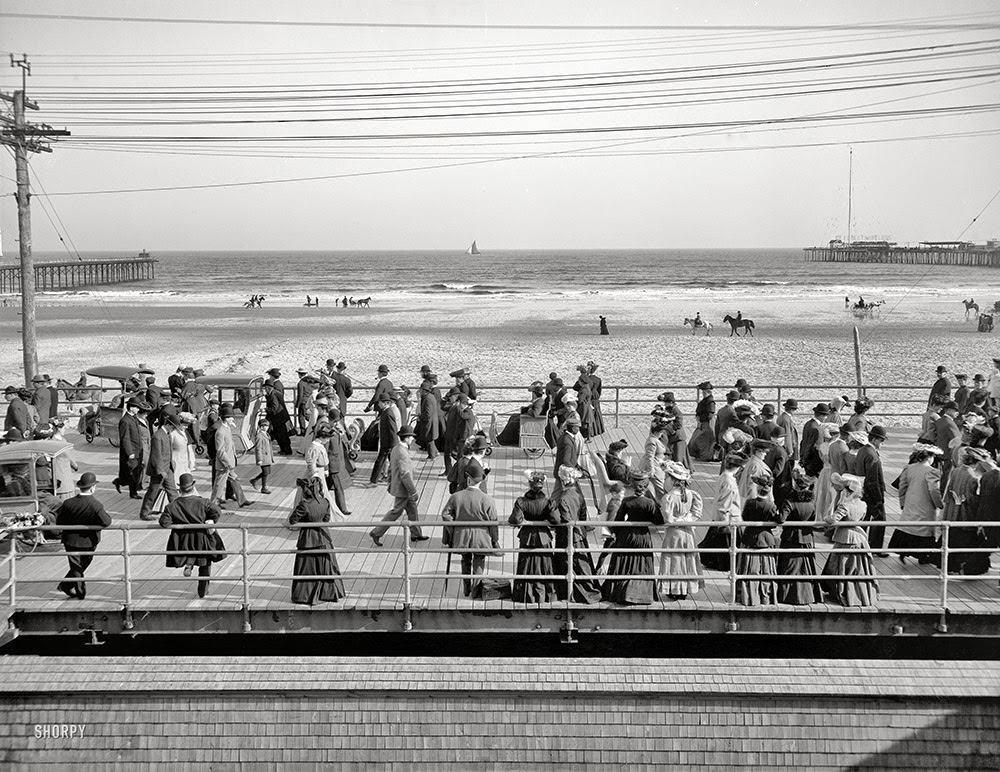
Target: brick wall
[[655, 713]]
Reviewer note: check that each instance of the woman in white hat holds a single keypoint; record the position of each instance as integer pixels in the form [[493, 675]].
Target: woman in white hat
[[850, 556], [681, 571], [569, 506], [919, 499]]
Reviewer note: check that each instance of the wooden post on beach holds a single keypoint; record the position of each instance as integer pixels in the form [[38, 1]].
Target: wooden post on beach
[[857, 362]]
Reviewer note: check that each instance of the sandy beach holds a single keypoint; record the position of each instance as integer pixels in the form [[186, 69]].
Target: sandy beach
[[514, 340]]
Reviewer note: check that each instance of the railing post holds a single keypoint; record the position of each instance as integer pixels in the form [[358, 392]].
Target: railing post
[[732, 563], [127, 569], [569, 627], [13, 569], [778, 406], [943, 623], [407, 590], [245, 570], [617, 405]]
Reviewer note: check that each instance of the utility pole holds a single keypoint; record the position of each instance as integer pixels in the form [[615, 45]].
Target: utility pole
[[25, 137], [850, 192]]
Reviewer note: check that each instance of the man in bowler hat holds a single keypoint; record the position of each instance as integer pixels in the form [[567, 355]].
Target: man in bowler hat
[[84, 509]]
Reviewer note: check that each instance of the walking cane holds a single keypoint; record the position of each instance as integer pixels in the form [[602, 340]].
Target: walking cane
[[447, 572]]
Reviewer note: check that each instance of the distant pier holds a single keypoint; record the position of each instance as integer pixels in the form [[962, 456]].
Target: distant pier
[[81, 273], [926, 253]]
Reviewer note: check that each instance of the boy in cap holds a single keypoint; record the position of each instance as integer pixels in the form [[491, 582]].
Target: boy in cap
[[84, 509]]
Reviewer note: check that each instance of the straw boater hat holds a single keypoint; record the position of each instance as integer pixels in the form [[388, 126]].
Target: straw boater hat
[[677, 470], [924, 447], [746, 404]]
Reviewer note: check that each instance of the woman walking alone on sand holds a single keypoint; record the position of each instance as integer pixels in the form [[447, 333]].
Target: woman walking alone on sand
[[680, 571], [314, 555], [534, 516], [851, 557]]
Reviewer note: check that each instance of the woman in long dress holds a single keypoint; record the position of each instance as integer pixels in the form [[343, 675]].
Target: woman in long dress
[[727, 511], [315, 556], [654, 453], [798, 517], [570, 507], [181, 452], [318, 464], [850, 557], [636, 507], [585, 403], [430, 424], [596, 386], [761, 517], [961, 502], [826, 496], [919, 499], [680, 571], [534, 516], [702, 442]]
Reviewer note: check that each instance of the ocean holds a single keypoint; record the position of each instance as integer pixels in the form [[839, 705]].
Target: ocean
[[398, 275]]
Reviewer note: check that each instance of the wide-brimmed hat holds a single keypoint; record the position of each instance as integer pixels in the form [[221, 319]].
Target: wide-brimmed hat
[[274, 371], [859, 437], [676, 470], [745, 404], [972, 456], [637, 475], [667, 396], [569, 473], [851, 481], [759, 444], [926, 447], [87, 480], [459, 373], [617, 445]]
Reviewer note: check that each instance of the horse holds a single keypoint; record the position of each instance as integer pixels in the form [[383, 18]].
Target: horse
[[696, 323], [79, 391], [867, 310], [971, 305], [735, 324], [366, 302]]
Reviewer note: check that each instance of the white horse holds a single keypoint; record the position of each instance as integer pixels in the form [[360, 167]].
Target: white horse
[[696, 323]]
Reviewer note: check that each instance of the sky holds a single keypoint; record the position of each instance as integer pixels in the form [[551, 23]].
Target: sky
[[573, 125]]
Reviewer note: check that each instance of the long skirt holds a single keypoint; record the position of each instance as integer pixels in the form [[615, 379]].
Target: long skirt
[[316, 562], [967, 563], [862, 591], [826, 496], [510, 435], [679, 563], [795, 592], [756, 592], [702, 442], [585, 588], [597, 427], [538, 564], [902, 543], [638, 592], [717, 537]]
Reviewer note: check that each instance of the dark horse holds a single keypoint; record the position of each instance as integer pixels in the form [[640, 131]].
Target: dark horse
[[736, 324]]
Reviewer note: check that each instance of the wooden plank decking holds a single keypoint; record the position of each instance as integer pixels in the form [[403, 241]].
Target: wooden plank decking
[[367, 569]]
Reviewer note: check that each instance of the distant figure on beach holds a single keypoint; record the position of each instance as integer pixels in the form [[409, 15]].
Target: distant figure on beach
[[344, 301], [847, 301], [604, 326]]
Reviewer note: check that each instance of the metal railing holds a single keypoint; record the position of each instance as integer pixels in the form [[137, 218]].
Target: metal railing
[[632, 401], [570, 580]]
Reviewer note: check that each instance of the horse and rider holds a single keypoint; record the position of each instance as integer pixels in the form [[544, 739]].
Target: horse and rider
[[698, 324]]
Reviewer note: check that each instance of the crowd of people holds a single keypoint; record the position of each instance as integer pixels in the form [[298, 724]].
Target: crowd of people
[[781, 483]]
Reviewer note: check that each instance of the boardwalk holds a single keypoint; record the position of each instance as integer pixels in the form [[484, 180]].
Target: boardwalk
[[162, 599]]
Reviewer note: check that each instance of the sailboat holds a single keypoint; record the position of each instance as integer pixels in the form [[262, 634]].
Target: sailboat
[[472, 250]]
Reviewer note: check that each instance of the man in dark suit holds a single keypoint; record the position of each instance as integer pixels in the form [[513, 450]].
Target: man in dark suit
[[810, 430], [868, 464], [41, 398], [471, 505], [460, 421], [767, 423], [82, 509], [336, 451], [176, 382], [18, 418], [941, 387], [403, 489], [475, 462], [276, 411], [160, 467], [780, 464], [388, 427], [133, 439], [963, 393], [342, 387], [303, 397], [945, 431], [383, 387], [569, 448], [464, 382]]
